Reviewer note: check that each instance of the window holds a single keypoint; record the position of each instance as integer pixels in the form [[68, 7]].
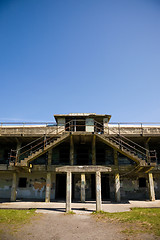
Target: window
[[22, 182], [142, 182]]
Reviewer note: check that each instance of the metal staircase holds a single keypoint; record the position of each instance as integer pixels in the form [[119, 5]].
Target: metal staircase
[[36, 148], [137, 153], [142, 156]]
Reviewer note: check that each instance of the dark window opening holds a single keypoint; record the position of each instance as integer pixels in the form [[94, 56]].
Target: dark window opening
[[22, 183], [100, 156], [142, 182], [82, 156]]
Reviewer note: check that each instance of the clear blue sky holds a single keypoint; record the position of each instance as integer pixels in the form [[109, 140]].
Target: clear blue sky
[[62, 56]]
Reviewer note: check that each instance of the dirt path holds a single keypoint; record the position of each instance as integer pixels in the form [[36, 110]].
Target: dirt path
[[59, 226]]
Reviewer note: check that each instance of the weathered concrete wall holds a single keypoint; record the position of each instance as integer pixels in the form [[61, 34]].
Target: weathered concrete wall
[[156, 178], [36, 185], [5, 185], [130, 189]]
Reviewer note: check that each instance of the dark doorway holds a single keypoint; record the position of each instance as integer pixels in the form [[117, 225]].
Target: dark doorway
[[93, 187], [61, 186], [105, 190], [73, 186]]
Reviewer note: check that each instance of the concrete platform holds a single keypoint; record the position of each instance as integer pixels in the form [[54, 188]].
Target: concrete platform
[[79, 208]]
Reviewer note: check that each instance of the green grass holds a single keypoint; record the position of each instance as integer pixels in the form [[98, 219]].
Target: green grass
[[70, 212], [140, 219], [9, 216]]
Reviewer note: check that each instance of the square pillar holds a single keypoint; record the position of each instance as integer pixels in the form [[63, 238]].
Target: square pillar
[[14, 187], [115, 158], [68, 191], [117, 188], [71, 151], [48, 187], [94, 150], [151, 187], [54, 186], [50, 157], [83, 187], [98, 191]]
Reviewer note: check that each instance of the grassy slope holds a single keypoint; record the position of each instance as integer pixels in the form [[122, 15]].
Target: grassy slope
[[146, 219]]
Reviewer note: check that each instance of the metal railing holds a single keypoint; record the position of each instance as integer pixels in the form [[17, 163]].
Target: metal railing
[[80, 125]]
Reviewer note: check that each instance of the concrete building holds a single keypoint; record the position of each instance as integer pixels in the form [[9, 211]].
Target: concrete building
[[80, 157]]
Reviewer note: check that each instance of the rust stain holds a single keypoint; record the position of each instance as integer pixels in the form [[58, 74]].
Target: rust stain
[[39, 185]]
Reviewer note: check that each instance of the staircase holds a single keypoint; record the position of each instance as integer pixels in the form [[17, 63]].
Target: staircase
[[142, 156], [38, 149], [130, 149]]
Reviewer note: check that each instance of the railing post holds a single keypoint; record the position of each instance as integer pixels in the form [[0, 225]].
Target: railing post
[[119, 128]]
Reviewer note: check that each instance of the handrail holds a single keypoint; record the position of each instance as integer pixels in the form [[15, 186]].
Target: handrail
[[33, 147], [43, 141]]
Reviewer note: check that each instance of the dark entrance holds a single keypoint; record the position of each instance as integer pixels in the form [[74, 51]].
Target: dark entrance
[[93, 187], [105, 190], [61, 186]]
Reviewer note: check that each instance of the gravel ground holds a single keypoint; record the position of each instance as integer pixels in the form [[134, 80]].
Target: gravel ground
[[60, 226]]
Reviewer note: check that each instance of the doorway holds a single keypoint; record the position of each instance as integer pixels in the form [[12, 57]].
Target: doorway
[[105, 190], [60, 186]]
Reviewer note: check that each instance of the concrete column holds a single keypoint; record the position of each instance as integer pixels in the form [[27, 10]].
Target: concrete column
[[18, 149], [94, 150], [68, 191], [115, 158], [151, 187], [71, 150], [48, 187], [54, 186], [83, 187], [14, 187], [98, 191], [117, 188], [50, 157]]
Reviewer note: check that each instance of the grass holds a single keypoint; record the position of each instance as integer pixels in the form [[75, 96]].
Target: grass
[[9, 216], [11, 220], [138, 219], [70, 212]]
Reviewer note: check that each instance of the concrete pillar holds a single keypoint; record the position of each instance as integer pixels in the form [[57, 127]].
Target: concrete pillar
[[68, 191], [83, 187], [115, 158], [14, 187], [151, 187], [94, 150], [54, 186], [98, 191], [147, 147], [48, 187], [117, 188], [50, 157], [18, 150], [71, 150]]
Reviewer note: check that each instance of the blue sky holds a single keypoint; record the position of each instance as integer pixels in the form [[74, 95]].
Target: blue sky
[[62, 56]]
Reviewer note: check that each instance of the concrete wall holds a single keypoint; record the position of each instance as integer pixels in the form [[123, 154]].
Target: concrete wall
[[5, 185]]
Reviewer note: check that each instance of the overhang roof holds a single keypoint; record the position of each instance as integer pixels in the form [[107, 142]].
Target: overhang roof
[[82, 115]]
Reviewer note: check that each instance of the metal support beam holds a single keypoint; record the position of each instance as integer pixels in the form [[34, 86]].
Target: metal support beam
[[71, 151], [48, 187], [98, 191], [83, 187], [94, 150], [151, 187], [117, 188], [14, 187], [68, 191]]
